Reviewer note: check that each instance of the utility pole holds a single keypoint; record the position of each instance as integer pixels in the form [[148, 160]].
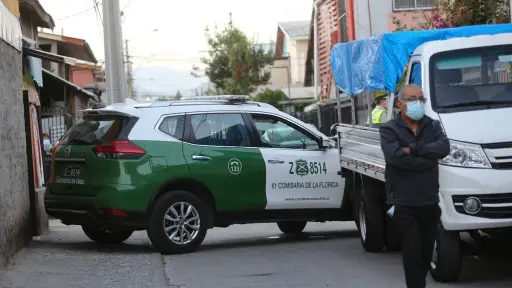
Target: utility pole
[[129, 72], [116, 84]]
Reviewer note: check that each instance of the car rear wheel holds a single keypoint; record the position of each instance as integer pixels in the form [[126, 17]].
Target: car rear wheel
[[292, 227], [370, 216], [101, 235], [178, 223]]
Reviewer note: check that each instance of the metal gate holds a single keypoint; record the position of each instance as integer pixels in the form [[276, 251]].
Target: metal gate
[[55, 122]]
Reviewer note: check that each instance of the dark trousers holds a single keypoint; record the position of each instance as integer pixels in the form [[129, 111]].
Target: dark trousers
[[417, 226]]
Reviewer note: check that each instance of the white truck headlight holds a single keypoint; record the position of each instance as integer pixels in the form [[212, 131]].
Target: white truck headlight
[[466, 155]]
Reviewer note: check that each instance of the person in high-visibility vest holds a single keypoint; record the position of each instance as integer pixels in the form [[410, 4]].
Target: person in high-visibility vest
[[379, 112]]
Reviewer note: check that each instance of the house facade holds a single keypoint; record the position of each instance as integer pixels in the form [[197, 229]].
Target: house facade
[[346, 20]]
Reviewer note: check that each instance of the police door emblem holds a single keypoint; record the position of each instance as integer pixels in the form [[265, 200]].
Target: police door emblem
[[301, 167]]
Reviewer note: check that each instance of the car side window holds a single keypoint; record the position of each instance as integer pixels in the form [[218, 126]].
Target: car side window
[[173, 126], [275, 133], [219, 130]]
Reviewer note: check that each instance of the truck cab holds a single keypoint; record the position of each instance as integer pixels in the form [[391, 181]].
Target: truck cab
[[465, 74]]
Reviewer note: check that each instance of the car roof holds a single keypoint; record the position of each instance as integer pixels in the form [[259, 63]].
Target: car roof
[[136, 109]]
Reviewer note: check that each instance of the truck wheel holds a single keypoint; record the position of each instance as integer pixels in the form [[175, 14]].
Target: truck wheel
[[104, 236], [370, 216], [446, 260], [291, 227], [178, 223]]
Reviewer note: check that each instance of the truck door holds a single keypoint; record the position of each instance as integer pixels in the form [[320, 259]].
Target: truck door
[[299, 175]]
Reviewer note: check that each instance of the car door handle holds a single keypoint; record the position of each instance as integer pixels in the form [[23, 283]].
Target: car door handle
[[274, 161], [201, 158]]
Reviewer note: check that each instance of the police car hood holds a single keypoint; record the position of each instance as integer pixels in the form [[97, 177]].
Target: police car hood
[[480, 127]]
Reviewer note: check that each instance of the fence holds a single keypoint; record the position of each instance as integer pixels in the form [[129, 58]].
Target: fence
[[55, 122]]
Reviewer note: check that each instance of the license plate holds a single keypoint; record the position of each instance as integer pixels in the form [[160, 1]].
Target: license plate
[[72, 171]]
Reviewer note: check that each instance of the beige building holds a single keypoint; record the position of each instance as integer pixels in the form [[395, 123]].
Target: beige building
[[291, 53]]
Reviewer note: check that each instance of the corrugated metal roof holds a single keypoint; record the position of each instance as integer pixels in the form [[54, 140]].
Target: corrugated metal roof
[[296, 29]]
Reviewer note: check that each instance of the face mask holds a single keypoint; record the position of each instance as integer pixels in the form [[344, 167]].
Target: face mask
[[46, 142], [415, 110]]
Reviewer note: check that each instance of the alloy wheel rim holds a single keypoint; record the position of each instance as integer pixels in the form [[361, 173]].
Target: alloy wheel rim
[[182, 223]]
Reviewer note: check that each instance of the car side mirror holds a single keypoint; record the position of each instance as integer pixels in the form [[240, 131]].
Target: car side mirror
[[333, 130], [324, 143]]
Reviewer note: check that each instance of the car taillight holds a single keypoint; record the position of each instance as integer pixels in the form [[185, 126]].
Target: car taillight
[[122, 149]]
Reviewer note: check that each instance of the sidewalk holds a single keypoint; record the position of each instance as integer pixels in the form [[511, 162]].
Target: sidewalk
[[65, 257]]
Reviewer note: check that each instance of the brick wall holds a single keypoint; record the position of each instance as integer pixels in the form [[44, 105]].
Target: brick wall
[[15, 229], [279, 43]]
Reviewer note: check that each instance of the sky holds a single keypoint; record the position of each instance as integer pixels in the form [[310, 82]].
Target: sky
[[166, 37]]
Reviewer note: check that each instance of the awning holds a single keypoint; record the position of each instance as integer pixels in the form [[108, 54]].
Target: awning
[[71, 85], [49, 56]]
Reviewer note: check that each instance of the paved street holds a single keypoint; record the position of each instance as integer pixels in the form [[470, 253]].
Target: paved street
[[328, 255]]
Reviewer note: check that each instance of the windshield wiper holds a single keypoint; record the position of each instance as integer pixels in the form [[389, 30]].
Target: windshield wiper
[[476, 103]]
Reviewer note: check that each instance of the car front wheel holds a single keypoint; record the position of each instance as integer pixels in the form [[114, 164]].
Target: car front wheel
[[178, 223]]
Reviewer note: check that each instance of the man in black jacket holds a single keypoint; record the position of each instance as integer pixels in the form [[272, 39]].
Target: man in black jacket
[[412, 144]]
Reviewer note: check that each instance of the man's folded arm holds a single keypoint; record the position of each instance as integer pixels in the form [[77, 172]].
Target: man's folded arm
[[438, 149], [397, 157]]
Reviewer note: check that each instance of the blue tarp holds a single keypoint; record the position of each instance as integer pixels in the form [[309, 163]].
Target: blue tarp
[[378, 63]]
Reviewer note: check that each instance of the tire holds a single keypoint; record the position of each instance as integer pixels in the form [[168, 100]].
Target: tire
[[446, 261], [189, 230], [103, 236], [392, 236], [292, 227], [371, 216]]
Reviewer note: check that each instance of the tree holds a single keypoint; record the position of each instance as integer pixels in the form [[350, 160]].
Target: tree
[[234, 63], [271, 97], [458, 13], [178, 95]]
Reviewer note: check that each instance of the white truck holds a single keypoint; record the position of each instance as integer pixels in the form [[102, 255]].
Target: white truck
[[466, 76]]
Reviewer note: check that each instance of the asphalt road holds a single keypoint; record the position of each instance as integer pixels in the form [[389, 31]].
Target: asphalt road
[[327, 255]]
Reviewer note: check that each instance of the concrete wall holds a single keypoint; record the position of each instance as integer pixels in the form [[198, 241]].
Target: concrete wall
[[55, 67], [279, 73], [409, 18], [15, 228], [297, 51]]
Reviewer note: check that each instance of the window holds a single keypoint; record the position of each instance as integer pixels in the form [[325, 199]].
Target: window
[[274, 133], [412, 4], [478, 78], [96, 130], [219, 130], [173, 126], [415, 74]]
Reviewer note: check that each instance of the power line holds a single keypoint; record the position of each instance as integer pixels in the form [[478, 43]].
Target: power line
[[98, 18], [97, 5], [126, 6], [76, 14]]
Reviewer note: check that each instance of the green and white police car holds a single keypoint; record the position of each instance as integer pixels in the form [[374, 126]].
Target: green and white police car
[[179, 168]]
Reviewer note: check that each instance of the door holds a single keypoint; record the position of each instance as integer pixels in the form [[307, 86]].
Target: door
[[218, 151], [299, 175]]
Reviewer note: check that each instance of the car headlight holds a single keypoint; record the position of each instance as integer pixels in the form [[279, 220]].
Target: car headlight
[[466, 155]]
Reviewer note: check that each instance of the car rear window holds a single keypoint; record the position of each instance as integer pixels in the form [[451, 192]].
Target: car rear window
[[96, 130]]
